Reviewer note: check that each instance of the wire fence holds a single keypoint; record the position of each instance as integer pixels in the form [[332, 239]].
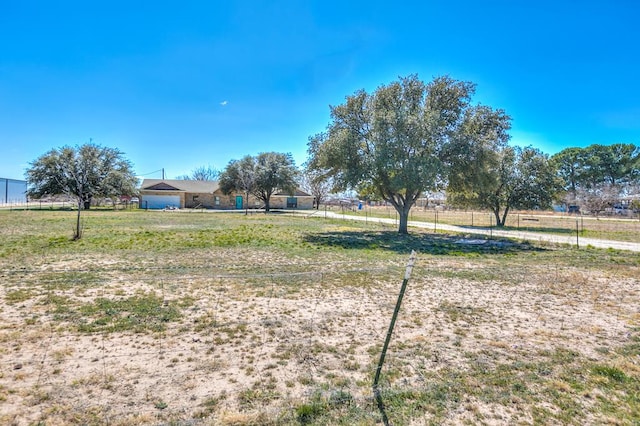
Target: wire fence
[[153, 345], [27, 205], [612, 226]]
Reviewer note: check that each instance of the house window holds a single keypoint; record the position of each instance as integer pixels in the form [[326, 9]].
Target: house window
[[292, 202], [216, 200]]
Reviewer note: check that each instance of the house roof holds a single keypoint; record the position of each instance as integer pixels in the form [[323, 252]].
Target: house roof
[[298, 193], [197, 186]]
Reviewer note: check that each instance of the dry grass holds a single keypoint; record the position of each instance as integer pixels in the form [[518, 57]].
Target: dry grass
[[225, 319]]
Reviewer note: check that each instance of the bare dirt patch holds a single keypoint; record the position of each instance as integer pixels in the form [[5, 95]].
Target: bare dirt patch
[[257, 344]]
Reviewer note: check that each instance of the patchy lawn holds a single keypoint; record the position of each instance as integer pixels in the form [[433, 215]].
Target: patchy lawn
[[204, 318]]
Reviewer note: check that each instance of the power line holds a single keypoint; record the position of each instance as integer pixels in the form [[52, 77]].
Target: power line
[[150, 173]]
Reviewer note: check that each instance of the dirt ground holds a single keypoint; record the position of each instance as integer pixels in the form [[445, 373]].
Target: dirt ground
[[248, 347]]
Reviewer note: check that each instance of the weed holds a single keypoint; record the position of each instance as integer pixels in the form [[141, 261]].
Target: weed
[[20, 295], [609, 372], [145, 312]]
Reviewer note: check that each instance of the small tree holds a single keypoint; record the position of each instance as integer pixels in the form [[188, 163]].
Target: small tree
[[599, 197], [317, 183], [82, 172], [274, 172], [260, 176], [502, 180], [239, 176]]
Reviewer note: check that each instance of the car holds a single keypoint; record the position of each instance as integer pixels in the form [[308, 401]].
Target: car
[[574, 209]]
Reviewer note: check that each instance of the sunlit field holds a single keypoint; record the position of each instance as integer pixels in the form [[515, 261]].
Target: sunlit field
[[201, 318]]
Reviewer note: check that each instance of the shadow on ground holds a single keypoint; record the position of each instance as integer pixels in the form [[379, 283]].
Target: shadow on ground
[[421, 242], [542, 230]]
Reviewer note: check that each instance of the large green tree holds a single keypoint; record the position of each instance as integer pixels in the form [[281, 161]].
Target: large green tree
[[615, 164], [569, 164], [479, 161], [597, 175], [390, 141], [82, 172], [261, 176]]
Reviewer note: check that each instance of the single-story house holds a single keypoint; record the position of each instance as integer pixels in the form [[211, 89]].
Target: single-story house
[[180, 194]]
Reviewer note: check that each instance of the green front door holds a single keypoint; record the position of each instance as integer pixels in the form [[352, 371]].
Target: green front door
[[239, 202]]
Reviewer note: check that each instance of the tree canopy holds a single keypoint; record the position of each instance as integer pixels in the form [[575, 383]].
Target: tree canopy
[[261, 176], [485, 172], [82, 172], [390, 141], [505, 179], [616, 164], [597, 175]]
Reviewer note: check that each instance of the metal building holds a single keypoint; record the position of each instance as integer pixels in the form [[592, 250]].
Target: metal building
[[13, 191]]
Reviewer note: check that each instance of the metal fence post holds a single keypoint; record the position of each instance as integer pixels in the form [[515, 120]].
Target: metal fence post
[[376, 389]]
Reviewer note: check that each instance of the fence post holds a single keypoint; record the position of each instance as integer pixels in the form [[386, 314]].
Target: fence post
[[376, 390], [435, 222], [490, 227]]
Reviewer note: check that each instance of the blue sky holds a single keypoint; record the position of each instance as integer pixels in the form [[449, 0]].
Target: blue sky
[[183, 84]]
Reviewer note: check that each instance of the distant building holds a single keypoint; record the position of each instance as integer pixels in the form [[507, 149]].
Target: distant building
[[13, 191], [190, 194]]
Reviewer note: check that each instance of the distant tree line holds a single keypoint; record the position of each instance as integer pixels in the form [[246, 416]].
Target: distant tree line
[[598, 176]]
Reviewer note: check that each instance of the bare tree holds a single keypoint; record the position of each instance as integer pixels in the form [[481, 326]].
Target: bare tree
[[317, 183], [205, 173], [599, 197]]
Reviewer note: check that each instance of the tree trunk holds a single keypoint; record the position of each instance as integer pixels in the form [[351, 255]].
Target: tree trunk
[[266, 205], [78, 231], [500, 219], [403, 214], [504, 216], [496, 214]]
